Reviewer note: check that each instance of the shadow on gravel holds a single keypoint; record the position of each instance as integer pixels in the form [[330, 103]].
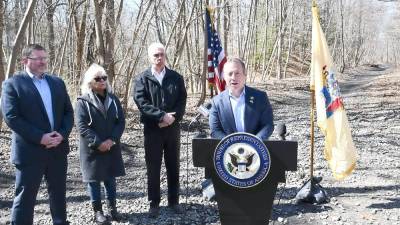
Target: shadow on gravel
[[131, 195], [394, 203], [168, 217], [288, 210], [290, 193], [5, 204], [70, 199], [6, 180], [333, 192]]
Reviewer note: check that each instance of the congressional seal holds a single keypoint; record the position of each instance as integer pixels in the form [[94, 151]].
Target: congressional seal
[[242, 160]]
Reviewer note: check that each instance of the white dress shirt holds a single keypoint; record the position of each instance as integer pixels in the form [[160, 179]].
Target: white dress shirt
[[238, 105], [159, 76], [44, 90]]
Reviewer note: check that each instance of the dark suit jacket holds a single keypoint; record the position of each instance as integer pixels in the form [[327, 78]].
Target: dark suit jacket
[[24, 112], [258, 117]]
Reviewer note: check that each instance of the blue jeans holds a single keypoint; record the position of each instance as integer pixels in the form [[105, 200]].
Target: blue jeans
[[110, 187]]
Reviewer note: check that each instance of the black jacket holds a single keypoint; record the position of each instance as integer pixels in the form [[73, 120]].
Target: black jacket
[[155, 100], [94, 127]]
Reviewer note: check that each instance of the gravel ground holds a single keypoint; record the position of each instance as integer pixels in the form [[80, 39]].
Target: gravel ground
[[369, 196]]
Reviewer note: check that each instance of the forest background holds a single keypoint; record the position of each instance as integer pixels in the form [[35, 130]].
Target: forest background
[[274, 39], [272, 36]]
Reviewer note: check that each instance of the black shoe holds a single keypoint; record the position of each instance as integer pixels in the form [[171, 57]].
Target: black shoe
[[114, 215], [112, 211], [154, 212], [177, 209], [99, 218]]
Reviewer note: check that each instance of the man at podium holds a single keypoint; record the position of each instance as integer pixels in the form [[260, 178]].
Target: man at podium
[[240, 108], [245, 170]]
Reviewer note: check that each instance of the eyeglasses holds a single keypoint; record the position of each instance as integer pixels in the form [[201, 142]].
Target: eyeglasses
[[38, 58], [98, 79], [158, 55]]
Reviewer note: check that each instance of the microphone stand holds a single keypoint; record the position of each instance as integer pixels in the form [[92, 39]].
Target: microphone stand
[[201, 133]]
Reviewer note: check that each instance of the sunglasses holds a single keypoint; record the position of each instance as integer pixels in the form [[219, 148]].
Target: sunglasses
[[158, 55], [98, 79]]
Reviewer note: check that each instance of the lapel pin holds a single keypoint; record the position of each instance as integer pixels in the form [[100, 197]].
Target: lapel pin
[[252, 99]]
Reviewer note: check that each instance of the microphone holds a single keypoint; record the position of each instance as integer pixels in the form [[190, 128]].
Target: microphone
[[281, 130], [203, 110]]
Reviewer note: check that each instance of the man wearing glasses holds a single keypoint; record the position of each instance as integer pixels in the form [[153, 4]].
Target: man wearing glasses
[[37, 108], [160, 95]]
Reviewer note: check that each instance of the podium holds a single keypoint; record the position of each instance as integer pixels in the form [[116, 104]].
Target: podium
[[253, 205]]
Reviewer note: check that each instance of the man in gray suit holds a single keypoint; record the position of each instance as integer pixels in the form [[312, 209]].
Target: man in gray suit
[[240, 108], [37, 108]]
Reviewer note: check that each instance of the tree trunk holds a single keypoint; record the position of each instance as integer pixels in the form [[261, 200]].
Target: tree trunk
[[205, 61], [280, 42], [157, 19], [51, 8], [265, 41], [182, 41], [101, 53], [80, 31], [181, 7], [2, 75], [342, 31], [109, 32], [64, 43], [290, 41], [227, 24], [19, 38]]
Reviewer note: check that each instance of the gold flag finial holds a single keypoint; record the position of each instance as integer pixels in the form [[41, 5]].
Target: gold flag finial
[[211, 11], [314, 3], [315, 7]]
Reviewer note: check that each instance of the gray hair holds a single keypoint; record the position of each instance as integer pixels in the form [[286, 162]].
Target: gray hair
[[90, 74], [238, 61], [153, 46]]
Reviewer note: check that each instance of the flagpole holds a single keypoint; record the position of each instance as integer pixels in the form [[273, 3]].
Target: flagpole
[[312, 134], [311, 191], [314, 4]]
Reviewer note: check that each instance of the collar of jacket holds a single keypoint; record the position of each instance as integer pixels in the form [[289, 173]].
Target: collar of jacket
[[150, 75], [90, 98]]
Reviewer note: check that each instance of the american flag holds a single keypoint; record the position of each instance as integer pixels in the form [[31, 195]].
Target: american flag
[[216, 55]]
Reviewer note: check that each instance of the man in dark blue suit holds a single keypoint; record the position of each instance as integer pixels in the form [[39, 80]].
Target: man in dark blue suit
[[240, 108], [37, 108]]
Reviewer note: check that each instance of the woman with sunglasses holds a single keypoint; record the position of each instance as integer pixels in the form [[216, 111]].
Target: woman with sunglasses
[[100, 122]]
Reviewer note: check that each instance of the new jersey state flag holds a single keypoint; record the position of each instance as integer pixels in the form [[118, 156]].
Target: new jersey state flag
[[340, 151]]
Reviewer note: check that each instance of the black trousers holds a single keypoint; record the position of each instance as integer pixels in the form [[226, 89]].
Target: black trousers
[[27, 183], [159, 142]]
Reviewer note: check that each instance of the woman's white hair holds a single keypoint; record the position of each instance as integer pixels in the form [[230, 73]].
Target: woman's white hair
[[93, 71]]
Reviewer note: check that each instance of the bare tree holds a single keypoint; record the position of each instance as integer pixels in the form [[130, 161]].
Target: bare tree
[[343, 62], [2, 75], [20, 37], [80, 31], [51, 8], [101, 52]]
